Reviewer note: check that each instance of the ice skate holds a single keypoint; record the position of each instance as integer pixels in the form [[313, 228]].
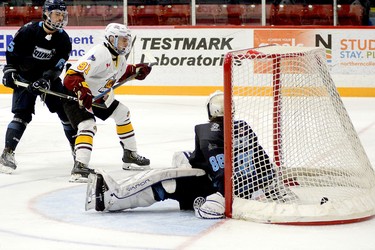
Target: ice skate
[[131, 157], [7, 161], [73, 151], [80, 172]]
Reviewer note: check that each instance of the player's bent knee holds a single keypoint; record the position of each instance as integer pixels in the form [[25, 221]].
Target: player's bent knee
[[121, 113], [88, 126], [23, 118], [169, 186], [180, 159]]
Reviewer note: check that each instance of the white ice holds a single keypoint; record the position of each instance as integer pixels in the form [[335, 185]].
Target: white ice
[[40, 209]]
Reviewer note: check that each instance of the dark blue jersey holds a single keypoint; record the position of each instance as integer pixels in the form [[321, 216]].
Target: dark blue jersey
[[209, 152], [253, 168], [251, 162], [33, 52]]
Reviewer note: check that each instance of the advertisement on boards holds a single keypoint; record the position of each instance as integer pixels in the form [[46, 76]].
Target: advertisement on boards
[[347, 51], [195, 56], [192, 57], [189, 56]]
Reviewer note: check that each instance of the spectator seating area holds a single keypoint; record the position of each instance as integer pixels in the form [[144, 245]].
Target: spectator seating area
[[180, 14]]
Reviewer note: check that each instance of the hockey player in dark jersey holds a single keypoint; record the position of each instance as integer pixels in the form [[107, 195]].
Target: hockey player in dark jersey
[[196, 180], [37, 56]]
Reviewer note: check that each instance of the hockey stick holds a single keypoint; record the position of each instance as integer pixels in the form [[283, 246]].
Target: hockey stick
[[73, 98], [118, 84], [58, 94]]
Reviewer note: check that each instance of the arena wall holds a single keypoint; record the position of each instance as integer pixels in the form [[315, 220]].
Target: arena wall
[[190, 58]]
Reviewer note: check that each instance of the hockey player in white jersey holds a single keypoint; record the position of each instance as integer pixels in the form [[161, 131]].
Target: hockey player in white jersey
[[94, 73]]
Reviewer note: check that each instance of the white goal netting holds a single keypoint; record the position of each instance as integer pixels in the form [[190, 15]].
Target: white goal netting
[[294, 153]]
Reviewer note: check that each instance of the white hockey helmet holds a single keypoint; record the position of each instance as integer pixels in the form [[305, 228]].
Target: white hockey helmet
[[59, 7], [215, 105], [118, 30]]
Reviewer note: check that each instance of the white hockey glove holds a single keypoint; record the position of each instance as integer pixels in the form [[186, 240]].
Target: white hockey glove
[[213, 207], [181, 159]]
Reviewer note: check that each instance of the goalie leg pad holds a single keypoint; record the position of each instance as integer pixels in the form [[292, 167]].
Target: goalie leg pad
[[99, 188], [180, 159], [169, 186], [90, 192], [145, 179], [144, 198], [101, 197], [135, 191]]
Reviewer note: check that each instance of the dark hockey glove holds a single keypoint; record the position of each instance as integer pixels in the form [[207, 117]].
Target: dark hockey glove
[[39, 85], [10, 74], [84, 95], [143, 70]]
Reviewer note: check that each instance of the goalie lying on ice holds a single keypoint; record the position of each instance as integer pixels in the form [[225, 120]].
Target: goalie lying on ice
[[196, 179]]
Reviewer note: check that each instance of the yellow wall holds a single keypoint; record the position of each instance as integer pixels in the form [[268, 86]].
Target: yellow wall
[[206, 90]]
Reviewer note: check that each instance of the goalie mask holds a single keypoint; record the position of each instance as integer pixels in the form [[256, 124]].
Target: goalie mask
[[55, 14], [116, 36], [215, 105]]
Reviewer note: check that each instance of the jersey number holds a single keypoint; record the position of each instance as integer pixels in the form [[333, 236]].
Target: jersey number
[[85, 67], [217, 162], [11, 47]]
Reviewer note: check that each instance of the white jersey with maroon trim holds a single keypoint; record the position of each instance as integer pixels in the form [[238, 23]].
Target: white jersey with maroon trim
[[99, 69]]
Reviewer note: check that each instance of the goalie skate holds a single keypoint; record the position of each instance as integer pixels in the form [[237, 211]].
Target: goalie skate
[[96, 188], [100, 188]]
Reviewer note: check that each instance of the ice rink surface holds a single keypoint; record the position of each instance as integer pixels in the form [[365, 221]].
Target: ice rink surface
[[41, 210]]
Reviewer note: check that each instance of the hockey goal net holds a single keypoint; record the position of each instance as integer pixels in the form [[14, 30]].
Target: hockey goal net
[[294, 154]]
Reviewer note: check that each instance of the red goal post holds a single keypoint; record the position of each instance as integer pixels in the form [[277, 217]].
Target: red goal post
[[308, 165]]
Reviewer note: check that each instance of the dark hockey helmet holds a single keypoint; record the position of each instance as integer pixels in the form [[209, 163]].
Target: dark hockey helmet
[[59, 7]]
